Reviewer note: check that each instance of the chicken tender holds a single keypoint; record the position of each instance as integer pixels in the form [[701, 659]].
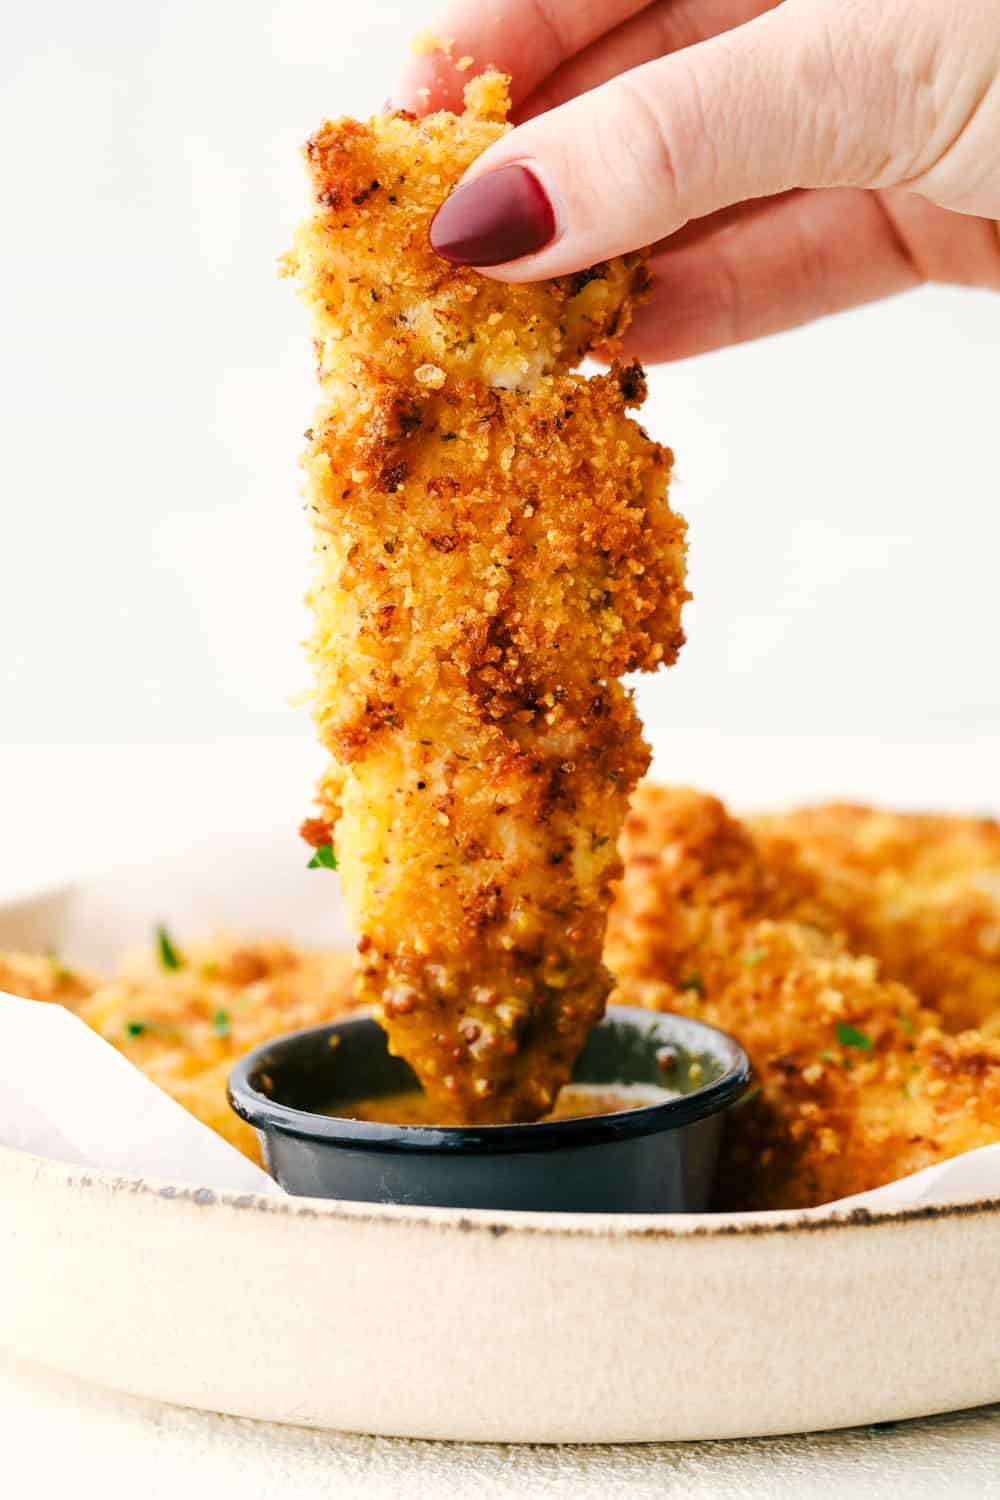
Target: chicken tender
[[185, 1026], [494, 550], [920, 892], [43, 976], [366, 270], [856, 1084]]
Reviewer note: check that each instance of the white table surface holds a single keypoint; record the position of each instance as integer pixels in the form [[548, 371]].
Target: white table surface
[[62, 1437], [69, 810]]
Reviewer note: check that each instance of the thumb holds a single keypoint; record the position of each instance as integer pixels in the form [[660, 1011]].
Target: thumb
[[758, 110]]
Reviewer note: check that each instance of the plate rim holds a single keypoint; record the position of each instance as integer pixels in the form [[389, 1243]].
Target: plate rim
[[765, 1223]]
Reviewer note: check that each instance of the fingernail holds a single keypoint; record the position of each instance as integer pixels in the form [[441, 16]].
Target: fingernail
[[494, 218]]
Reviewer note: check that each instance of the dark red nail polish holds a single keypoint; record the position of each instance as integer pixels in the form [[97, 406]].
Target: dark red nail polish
[[494, 218]]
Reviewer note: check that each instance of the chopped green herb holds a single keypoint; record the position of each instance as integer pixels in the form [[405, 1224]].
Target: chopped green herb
[[693, 982], [905, 1024], [60, 973], [139, 1028], [220, 1023], [849, 1036], [323, 858], [828, 1056], [749, 959], [169, 957], [904, 1089]]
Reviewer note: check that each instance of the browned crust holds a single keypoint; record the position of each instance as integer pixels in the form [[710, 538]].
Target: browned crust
[[856, 1082]]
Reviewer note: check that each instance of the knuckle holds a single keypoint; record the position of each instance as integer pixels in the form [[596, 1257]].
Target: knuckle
[[645, 139]]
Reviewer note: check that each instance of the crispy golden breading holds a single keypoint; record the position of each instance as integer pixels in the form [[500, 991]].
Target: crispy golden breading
[[494, 549], [856, 1083], [922, 893], [371, 281], [186, 1027], [41, 976]]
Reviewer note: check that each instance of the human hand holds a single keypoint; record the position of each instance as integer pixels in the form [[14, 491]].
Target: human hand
[[783, 161]]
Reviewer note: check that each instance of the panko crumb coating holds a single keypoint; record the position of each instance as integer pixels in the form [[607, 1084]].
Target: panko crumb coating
[[186, 1026], [366, 271], [856, 1082], [494, 549], [919, 891]]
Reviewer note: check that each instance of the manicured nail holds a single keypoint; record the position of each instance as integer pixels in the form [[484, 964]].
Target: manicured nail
[[494, 218]]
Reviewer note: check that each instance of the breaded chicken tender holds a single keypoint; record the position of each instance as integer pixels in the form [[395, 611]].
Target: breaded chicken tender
[[856, 1082], [494, 550], [366, 271], [43, 976], [920, 892], [185, 1026]]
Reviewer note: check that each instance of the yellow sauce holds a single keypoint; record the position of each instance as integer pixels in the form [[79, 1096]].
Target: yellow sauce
[[575, 1101]]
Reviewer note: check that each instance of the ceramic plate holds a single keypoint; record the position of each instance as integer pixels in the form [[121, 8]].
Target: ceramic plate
[[474, 1325]]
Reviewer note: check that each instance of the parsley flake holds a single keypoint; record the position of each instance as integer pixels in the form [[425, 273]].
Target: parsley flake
[[849, 1036], [140, 1028], [754, 957], [169, 957], [693, 982], [323, 858], [221, 1023], [60, 974], [905, 1024]]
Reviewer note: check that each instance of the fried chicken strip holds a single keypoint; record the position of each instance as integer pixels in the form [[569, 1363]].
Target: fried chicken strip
[[494, 550], [366, 271], [856, 1082], [920, 892], [185, 1027]]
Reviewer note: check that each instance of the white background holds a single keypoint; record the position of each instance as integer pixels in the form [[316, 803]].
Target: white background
[[840, 482]]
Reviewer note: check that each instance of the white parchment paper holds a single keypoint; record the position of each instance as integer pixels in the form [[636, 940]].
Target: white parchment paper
[[67, 1093]]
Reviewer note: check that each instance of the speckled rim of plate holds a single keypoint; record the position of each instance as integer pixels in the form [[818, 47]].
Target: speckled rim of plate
[[503, 1221]]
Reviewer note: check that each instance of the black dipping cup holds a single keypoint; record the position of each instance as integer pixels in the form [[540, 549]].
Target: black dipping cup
[[659, 1158]]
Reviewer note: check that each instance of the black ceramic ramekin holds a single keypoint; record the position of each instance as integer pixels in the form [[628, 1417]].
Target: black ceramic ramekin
[[659, 1158]]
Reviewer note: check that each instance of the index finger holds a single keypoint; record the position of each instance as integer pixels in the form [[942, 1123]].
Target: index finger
[[528, 39]]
